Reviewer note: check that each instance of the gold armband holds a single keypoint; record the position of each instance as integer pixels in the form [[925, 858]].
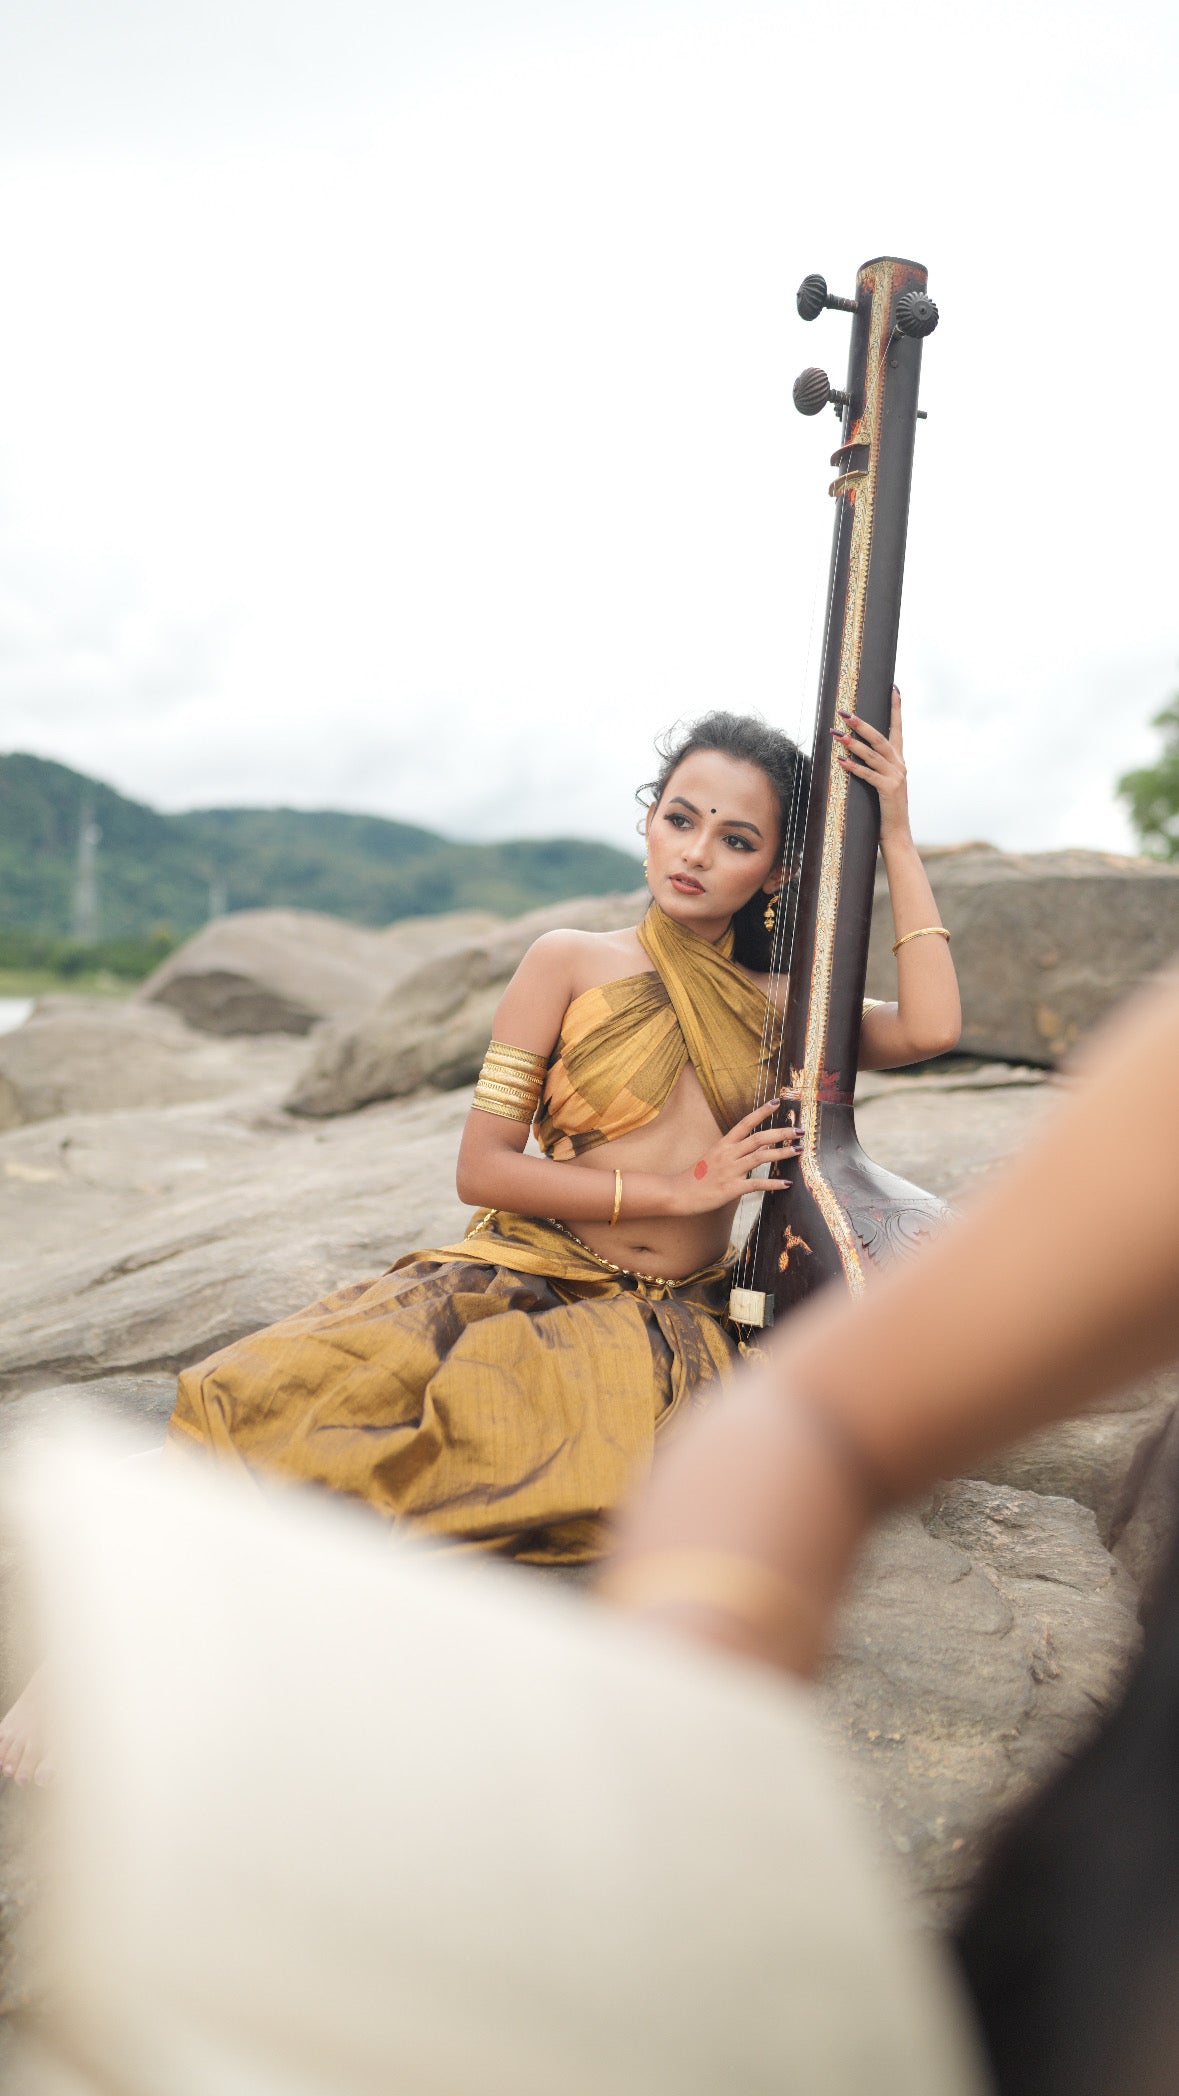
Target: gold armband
[[510, 1082]]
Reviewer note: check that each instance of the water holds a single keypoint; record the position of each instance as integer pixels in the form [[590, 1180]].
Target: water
[[13, 1012]]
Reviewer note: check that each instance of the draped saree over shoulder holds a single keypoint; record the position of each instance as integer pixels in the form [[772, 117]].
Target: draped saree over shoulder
[[502, 1392]]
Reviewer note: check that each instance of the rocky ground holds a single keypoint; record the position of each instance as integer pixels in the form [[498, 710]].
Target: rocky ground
[[987, 1628]]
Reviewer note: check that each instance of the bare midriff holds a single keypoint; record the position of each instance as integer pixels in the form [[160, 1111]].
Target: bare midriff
[[670, 1245]]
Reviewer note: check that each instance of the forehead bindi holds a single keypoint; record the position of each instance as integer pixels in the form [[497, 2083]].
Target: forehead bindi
[[726, 786]]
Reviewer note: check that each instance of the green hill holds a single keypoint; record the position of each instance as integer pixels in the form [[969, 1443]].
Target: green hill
[[162, 870]]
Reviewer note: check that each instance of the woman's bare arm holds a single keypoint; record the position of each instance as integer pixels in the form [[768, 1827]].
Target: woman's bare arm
[[1062, 1283], [927, 1016], [494, 1173]]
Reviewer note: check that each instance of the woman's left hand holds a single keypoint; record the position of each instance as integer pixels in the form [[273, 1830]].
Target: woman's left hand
[[880, 761]]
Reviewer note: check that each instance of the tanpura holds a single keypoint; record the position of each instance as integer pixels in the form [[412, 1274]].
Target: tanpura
[[841, 1213]]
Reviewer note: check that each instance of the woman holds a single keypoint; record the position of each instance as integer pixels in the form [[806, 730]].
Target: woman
[[501, 1391]]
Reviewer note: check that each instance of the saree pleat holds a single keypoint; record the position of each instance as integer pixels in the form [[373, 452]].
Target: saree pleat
[[504, 1392]]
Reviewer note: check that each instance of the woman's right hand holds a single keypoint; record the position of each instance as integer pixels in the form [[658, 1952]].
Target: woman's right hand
[[721, 1176]]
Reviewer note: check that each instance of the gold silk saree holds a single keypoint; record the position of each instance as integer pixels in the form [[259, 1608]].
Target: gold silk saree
[[503, 1392]]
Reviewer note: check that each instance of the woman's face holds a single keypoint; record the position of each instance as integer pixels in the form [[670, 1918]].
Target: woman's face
[[712, 840]]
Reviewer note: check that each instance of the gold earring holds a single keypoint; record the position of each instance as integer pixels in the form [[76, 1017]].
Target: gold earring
[[768, 919], [644, 869]]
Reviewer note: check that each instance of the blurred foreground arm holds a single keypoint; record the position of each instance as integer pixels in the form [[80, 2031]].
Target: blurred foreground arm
[[1062, 1283]]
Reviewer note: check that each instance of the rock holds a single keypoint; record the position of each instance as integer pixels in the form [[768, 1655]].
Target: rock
[[978, 1647], [135, 1243], [282, 971], [100, 1054], [433, 1028], [138, 1241], [1145, 1532], [1099, 1459], [948, 1136], [979, 1640], [957, 1073], [142, 1403], [1045, 943]]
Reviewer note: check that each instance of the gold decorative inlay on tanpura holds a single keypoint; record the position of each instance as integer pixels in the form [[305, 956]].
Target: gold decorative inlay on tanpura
[[858, 490], [792, 1242]]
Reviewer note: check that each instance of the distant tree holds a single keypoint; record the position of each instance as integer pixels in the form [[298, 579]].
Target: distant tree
[[1152, 794]]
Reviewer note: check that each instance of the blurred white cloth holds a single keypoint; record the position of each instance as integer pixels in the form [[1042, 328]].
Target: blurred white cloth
[[336, 1817]]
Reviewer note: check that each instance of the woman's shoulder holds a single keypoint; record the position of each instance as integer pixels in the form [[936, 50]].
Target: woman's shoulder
[[587, 959], [557, 968]]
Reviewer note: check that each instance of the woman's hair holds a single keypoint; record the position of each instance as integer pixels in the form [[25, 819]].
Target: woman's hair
[[749, 739]]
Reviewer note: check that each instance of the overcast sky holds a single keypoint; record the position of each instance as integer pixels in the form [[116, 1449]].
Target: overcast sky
[[395, 399]]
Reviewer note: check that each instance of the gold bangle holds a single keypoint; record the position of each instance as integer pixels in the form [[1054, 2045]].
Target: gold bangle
[[928, 931], [500, 1088], [617, 1198], [718, 1579], [521, 1113], [511, 1082]]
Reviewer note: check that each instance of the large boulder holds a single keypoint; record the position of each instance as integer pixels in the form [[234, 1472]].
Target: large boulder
[[1045, 943], [946, 1129], [282, 971], [982, 1640], [433, 1028], [1101, 1459], [102, 1054], [139, 1242], [1146, 1534], [133, 1242]]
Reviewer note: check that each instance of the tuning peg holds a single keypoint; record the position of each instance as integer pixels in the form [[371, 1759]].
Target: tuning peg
[[812, 391], [812, 295], [916, 314]]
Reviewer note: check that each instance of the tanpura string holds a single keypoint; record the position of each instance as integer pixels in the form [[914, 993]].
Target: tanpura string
[[782, 942], [779, 934], [841, 522], [795, 827], [776, 1082], [795, 832]]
